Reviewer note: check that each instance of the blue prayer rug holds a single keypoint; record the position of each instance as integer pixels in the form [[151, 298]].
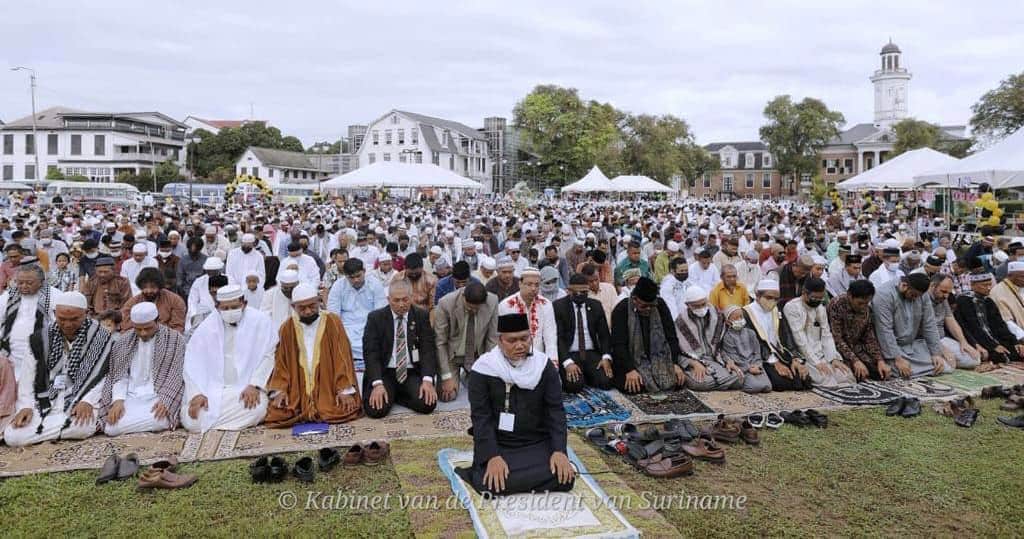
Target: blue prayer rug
[[592, 407]]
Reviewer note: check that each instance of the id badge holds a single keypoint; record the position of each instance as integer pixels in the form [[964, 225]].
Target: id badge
[[415, 355], [507, 422], [60, 382]]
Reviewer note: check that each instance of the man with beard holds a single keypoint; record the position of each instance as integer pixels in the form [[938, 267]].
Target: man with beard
[[729, 253], [811, 336], [958, 351], [1009, 297], [785, 369], [422, 284], [243, 259], [143, 391], [199, 298], [106, 291], [906, 328], [138, 261], [792, 276], [505, 283], [152, 289], [645, 348], [353, 298], [984, 325]]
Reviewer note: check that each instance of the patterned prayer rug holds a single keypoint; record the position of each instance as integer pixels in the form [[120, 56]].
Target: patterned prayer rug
[[921, 388], [968, 380], [864, 393], [584, 511], [676, 402], [592, 407]]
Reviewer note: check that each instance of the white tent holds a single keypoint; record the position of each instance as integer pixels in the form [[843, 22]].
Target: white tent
[[897, 174], [1000, 166], [595, 181], [391, 174], [639, 184]]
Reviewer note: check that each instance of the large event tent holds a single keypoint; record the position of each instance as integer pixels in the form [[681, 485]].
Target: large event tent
[[897, 174], [639, 184], [407, 175], [595, 181], [1000, 166]]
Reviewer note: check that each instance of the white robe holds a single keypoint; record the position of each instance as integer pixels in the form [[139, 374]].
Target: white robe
[[276, 306], [545, 340], [139, 396], [309, 272], [239, 265], [23, 327], [130, 270]]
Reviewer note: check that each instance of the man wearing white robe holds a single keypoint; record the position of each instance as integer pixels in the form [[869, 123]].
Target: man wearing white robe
[[277, 302], [228, 361], [245, 259], [199, 299], [309, 272], [28, 292], [140, 259], [538, 309]]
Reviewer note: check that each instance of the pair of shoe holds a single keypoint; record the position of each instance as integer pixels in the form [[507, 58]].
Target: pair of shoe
[[904, 406], [163, 475], [731, 430], [806, 418], [116, 468], [1016, 422], [705, 449], [962, 410], [770, 420], [268, 470], [1002, 392], [372, 454]]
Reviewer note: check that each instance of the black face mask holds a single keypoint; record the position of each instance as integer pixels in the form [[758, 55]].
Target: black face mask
[[579, 298], [682, 276], [307, 320], [813, 302], [246, 249]]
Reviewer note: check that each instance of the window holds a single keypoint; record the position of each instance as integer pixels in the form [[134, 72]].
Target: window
[[707, 181], [750, 180], [8, 172], [805, 178], [30, 172], [99, 145], [727, 161], [376, 137], [766, 160], [444, 139], [304, 175], [419, 157], [8, 145], [766, 197], [243, 173], [831, 166], [451, 162], [401, 157], [256, 171], [749, 158], [766, 180], [286, 174], [848, 166], [387, 156], [401, 136], [435, 158], [270, 173], [30, 144], [727, 183], [76, 144], [51, 144], [387, 136], [414, 134]]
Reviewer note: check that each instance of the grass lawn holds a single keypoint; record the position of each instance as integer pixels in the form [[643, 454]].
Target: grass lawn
[[864, 475]]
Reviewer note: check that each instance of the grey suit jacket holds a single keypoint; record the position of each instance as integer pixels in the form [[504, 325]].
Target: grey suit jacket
[[449, 319]]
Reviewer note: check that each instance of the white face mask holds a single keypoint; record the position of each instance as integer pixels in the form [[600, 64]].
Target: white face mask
[[892, 266], [164, 254], [738, 324], [700, 312], [767, 304], [232, 316], [47, 242]]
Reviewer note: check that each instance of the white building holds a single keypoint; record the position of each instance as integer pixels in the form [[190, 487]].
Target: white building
[[97, 145], [282, 166], [406, 137]]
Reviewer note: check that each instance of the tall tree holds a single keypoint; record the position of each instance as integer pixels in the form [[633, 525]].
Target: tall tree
[[795, 132], [658, 146], [913, 134], [224, 148], [1001, 111]]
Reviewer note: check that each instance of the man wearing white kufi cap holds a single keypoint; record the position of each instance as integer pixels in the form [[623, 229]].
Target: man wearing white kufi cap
[[25, 309], [1009, 297], [487, 270], [71, 356], [277, 302], [214, 244], [314, 377], [699, 330], [131, 267], [143, 390], [227, 364], [785, 370], [199, 298], [385, 270], [244, 259]]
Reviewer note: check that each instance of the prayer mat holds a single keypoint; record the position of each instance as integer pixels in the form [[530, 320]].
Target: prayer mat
[[461, 401], [585, 511], [864, 393], [970, 381], [592, 407], [921, 388], [1008, 375], [740, 403], [676, 402]]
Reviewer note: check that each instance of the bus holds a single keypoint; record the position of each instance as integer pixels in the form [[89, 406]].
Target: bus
[[120, 194], [202, 193], [292, 193]]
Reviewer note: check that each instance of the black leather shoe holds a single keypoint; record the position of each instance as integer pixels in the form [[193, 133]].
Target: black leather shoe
[[327, 458], [896, 407], [278, 469], [304, 470], [260, 470], [1017, 422], [912, 408], [817, 418], [109, 470]]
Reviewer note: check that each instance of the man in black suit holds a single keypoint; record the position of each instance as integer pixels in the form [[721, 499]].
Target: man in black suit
[[645, 349], [395, 373], [584, 344]]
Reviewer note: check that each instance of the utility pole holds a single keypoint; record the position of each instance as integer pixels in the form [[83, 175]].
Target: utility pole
[[35, 134]]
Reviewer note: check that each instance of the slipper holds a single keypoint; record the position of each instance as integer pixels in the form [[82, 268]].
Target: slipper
[[773, 420], [626, 431], [757, 420]]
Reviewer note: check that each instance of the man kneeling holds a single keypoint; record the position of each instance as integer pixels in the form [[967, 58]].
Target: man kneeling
[[519, 429]]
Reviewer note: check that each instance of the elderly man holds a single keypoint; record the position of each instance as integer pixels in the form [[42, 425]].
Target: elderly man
[[199, 299], [957, 349], [152, 289], [729, 253], [786, 370], [847, 272], [354, 298], [487, 271], [906, 328], [228, 361], [245, 259], [538, 309], [139, 260], [673, 286], [306, 266], [792, 276], [142, 392], [314, 378], [519, 427], [277, 302], [771, 266], [853, 331], [215, 244], [729, 291], [1009, 297], [61, 385], [984, 325], [25, 308], [385, 270], [741, 350], [584, 346], [106, 291], [811, 336], [645, 348], [889, 270], [465, 324], [700, 330], [505, 283]]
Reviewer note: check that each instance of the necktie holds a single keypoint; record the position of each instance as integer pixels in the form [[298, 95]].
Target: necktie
[[579, 331], [402, 353], [470, 354]]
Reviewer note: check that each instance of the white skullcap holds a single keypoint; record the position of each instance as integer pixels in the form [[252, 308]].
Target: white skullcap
[[819, 260], [229, 292], [449, 234], [213, 263], [71, 299], [511, 245], [436, 250], [891, 243], [288, 277], [384, 258], [248, 238], [139, 248], [488, 264], [1015, 267], [579, 242], [530, 271], [210, 229], [173, 233], [303, 292], [144, 312], [673, 246], [479, 246], [767, 285], [1001, 256], [695, 293], [505, 262], [252, 273]]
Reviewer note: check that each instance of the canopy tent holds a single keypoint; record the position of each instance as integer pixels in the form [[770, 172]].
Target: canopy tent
[[639, 184], [1000, 166], [595, 181], [390, 174], [897, 174]]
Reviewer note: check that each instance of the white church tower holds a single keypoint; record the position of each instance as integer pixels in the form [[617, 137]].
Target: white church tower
[[891, 84]]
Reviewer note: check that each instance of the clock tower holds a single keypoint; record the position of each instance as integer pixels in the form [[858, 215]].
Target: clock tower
[[891, 84]]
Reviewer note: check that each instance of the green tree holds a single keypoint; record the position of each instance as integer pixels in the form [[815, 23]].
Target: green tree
[[912, 134], [795, 132], [698, 162], [77, 178], [224, 148], [657, 146], [1000, 111], [819, 190], [327, 147], [222, 175], [54, 174]]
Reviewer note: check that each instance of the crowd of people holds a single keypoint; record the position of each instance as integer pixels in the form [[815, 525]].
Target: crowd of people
[[133, 320]]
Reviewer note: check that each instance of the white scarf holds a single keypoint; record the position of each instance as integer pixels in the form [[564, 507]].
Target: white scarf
[[526, 375]]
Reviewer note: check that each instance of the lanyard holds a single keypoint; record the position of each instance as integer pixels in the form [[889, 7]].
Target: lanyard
[[508, 390]]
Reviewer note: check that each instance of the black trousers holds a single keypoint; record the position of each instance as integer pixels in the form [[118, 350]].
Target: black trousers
[[780, 383], [406, 394], [593, 375], [529, 470]]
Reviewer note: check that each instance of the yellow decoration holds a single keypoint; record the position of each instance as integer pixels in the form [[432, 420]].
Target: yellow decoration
[[264, 188]]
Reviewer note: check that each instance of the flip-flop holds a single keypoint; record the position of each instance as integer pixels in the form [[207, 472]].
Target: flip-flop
[[757, 420], [774, 420]]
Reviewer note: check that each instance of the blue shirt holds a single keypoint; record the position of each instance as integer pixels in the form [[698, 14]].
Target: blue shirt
[[446, 286], [353, 306]]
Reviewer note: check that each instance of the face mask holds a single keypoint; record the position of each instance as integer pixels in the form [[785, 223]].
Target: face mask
[[812, 303], [700, 312], [92, 255], [767, 304], [681, 277], [579, 299], [246, 249], [892, 266], [232, 316], [307, 320], [164, 254], [738, 324]]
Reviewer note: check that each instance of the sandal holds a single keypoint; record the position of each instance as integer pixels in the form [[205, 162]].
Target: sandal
[[773, 420], [796, 418], [757, 420]]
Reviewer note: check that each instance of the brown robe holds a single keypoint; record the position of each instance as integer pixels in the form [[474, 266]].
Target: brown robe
[[334, 371]]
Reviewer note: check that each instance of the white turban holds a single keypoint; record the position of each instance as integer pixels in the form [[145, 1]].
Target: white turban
[[229, 292], [303, 292], [248, 238], [213, 263], [139, 249], [71, 299], [694, 294], [288, 277], [144, 312]]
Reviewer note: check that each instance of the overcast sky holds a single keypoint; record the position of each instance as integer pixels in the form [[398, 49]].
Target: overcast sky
[[314, 68]]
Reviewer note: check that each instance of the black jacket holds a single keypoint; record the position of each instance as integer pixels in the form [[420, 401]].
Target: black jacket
[[565, 322], [622, 354], [379, 341]]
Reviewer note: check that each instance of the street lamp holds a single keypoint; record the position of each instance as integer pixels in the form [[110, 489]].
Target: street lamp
[[35, 135]]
